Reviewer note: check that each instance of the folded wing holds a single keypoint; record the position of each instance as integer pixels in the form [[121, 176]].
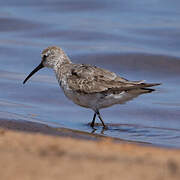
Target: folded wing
[[91, 79]]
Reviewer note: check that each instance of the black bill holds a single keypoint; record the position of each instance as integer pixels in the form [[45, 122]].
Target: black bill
[[40, 66]]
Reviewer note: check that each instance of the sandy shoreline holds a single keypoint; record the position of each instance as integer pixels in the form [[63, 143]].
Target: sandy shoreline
[[47, 154], [34, 127]]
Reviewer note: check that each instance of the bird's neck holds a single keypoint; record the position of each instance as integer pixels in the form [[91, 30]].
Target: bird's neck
[[63, 60], [62, 69]]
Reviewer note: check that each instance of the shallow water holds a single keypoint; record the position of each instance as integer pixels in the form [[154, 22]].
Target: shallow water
[[138, 40]]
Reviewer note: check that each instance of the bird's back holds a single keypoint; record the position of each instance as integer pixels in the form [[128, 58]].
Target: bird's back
[[91, 79]]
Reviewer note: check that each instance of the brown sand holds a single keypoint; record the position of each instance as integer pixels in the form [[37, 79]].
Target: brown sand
[[37, 156]]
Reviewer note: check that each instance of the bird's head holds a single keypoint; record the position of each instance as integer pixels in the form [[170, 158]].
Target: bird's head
[[52, 57]]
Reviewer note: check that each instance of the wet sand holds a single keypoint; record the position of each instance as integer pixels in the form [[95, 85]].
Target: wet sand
[[28, 152]]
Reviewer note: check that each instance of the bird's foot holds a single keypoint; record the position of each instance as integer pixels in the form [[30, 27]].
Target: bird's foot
[[105, 127], [92, 125], [93, 131]]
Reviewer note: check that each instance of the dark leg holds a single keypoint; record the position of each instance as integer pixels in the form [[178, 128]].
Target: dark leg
[[93, 121], [97, 112]]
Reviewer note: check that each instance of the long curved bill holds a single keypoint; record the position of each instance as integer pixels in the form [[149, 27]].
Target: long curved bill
[[40, 66]]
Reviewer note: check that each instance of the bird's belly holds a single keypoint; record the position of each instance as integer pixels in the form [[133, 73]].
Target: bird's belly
[[84, 100], [97, 100], [112, 99], [120, 98]]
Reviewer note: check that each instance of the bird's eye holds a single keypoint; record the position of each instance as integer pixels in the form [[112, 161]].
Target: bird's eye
[[44, 57]]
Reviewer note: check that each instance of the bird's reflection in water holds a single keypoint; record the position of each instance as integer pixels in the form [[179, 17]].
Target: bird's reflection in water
[[103, 129]]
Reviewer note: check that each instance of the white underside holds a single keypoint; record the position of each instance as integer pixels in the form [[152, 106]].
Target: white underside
[[97, 101]]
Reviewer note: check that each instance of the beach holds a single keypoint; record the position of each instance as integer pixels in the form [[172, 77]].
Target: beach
[[45, 136], [37, 155]]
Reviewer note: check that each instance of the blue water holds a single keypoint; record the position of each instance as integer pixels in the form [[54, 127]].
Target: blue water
[[138, 40]]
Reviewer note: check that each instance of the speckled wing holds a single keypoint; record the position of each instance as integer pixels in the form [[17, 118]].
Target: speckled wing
[[91, 79]]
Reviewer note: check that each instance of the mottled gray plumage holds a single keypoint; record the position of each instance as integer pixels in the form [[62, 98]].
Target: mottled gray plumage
[[91, 79], [90, 86]]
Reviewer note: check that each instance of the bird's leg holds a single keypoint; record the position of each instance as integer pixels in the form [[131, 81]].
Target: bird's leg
[[93, 131], [97, 112], [93, 121]]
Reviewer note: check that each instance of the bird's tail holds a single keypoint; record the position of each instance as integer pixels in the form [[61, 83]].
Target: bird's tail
[[143, 87]]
